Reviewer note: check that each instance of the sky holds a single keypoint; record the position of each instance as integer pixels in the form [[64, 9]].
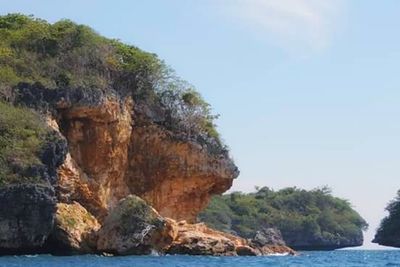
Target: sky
[[308, 90]]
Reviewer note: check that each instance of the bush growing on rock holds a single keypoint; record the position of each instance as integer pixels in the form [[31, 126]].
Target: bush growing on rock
[[22, 134]]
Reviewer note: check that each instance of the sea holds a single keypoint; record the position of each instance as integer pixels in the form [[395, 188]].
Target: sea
[[373, 258]]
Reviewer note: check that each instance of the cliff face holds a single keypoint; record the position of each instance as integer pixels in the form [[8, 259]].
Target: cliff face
[[177, 178], [114, 151], [111, 157], [98, 141]]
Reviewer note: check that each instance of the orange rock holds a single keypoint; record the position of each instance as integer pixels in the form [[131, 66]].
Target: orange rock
[[112, 157]]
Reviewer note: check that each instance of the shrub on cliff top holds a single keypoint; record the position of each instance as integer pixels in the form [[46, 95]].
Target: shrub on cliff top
[[22, 134], [65, 54]]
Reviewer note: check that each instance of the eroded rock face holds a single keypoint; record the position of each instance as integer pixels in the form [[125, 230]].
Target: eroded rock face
[[132, 228], [26, 217], [98, 139], [116, 150], [177, 178], [112, 156]]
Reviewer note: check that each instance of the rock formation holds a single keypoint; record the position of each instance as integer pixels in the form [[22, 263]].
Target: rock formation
[[108, 160], [110, 157], [131, 150], [115, 151]]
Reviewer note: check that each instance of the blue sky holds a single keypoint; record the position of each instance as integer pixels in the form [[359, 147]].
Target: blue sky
[[308, 90]]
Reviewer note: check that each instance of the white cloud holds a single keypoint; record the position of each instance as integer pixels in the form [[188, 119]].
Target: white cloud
[[307, 23]]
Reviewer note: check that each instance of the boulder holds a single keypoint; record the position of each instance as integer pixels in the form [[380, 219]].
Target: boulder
[[198, 239], [75, 230], [268, 236], [132, 228], [247, 251]]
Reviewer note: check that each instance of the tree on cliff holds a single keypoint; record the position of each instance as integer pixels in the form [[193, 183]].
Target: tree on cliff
[[388, 233], [68, 55], [307, 219]]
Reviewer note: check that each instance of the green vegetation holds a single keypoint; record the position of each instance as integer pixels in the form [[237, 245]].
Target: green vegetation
[[68, 55], [388, 231], [22, 134], [303, 215]]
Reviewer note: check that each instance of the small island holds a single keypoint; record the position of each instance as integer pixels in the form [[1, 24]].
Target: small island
[[308, 220]]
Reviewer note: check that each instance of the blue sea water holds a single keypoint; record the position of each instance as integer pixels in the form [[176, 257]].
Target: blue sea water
[[331, 258]]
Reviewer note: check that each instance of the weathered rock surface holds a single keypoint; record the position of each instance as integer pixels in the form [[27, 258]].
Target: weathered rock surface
[[198, 239], [177, 178], [75, 230], [114, 152], [117, 148], [26, 217], [132, 228], [98, 139]]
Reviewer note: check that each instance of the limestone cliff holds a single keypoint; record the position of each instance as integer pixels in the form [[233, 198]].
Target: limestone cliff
[[129, 150], [112, 156], [114, 151]]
